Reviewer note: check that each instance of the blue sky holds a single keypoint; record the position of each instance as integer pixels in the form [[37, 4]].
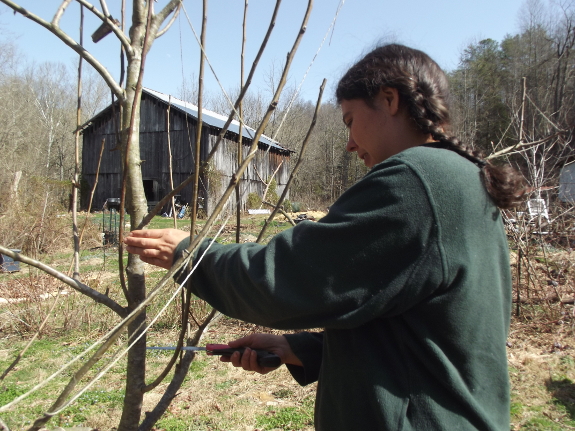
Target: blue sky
[[442, 29]]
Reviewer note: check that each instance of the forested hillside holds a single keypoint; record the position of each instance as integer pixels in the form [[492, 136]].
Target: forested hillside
[[517, 90]]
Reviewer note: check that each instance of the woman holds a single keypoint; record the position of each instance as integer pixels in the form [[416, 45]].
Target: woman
[[408, 273]]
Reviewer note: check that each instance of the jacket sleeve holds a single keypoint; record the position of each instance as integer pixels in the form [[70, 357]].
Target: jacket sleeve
[[308, 347], [375, 254]]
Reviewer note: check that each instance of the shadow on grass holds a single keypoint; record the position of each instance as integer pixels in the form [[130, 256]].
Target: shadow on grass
[[563, 391]]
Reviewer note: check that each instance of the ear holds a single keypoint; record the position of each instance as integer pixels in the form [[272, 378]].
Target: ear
[[389, 97]]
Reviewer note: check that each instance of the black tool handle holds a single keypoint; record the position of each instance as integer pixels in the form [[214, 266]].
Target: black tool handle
[[265, 358]]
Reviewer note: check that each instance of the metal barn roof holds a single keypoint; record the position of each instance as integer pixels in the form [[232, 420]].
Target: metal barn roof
[[210, 118], [213, 119]]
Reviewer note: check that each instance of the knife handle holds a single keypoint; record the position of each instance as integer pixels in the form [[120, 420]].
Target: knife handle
[[265, 358]]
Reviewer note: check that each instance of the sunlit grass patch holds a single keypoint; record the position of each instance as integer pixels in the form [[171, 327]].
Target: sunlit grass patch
[[288, 418]]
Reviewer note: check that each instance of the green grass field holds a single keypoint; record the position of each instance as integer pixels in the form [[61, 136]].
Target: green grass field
[[215, 395]]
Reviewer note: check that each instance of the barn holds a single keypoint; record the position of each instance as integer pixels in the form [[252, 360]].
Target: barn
[[158, 112]]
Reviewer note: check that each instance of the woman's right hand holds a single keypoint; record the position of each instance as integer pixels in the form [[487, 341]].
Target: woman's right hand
[[276, 344], [155, 246]]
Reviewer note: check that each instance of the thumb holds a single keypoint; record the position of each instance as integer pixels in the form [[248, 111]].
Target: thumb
[[242, 342]]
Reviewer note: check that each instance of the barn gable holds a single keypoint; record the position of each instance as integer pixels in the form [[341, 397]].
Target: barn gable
[[182, 135]]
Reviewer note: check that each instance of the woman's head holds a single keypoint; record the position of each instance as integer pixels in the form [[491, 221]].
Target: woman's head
[[423, 93], [420, 82]]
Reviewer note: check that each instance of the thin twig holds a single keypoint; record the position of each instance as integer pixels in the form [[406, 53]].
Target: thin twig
[[281, 210], [180, 343], [269, 182], [75, 284], [522, 145], [93, 191], [179, 375], [299, 161], [75, 184], [248, 81], [170, 22], [240, 132], [196, 183], [36, 335], [170, 168], [146, 220], [253, 148]]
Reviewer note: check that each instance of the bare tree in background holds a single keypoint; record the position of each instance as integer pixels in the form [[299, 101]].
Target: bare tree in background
[[146, 26]]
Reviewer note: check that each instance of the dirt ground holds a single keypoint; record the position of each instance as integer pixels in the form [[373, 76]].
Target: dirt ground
[[541, 346]]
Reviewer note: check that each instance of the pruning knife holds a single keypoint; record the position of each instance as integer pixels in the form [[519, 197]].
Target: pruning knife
[[265, 358]]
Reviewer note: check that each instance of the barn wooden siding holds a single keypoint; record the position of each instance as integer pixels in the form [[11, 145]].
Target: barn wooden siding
[[265, 163], [155, 157]]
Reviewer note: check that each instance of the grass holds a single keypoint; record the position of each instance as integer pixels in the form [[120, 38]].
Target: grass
[[542, 372], [288, 418], [215, 395]]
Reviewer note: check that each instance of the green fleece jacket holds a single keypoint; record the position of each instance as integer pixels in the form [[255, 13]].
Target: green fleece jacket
[[409, 275]]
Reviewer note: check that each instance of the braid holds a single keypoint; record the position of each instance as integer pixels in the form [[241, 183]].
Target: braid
[[423, 90]]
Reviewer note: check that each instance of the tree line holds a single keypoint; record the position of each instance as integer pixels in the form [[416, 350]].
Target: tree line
[[519, 93], [38, 115], [490, 109]]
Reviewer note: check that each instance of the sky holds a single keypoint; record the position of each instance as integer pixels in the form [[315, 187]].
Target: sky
[[442, 29]]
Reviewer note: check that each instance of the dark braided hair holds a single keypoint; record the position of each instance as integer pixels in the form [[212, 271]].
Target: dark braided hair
[[423, 93]]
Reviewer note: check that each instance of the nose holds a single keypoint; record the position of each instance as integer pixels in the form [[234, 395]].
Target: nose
[[351, 146]]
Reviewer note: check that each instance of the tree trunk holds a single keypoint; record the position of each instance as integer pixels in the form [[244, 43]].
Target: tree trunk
[[136, 206], [14, 186]]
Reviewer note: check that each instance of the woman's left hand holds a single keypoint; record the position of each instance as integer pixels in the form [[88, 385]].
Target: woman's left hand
[[155, 246]]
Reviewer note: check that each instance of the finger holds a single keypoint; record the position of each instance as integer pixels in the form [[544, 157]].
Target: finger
[[245, 359], [143, 251], [162, 263], [253, 358], [142, 242], [236, 359], [147, 233], [249, 361], [242, 342]]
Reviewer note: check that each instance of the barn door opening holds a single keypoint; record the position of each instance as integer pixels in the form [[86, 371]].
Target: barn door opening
[[152, 192]]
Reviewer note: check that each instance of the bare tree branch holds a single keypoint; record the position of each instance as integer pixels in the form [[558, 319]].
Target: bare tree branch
[[248, 81], [75, 185], [521, 145], [126, 170], [296, 167], [168, 10], [179, 375], [104, 7], [118, 91], [241, 121], [124, 40], [199, 123], [253, 148], [60, 12], [280, 209], [161, 16], [146, 220], [75, 284]]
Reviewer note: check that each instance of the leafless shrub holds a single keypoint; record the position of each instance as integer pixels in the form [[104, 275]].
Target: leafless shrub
[[34, 221]]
